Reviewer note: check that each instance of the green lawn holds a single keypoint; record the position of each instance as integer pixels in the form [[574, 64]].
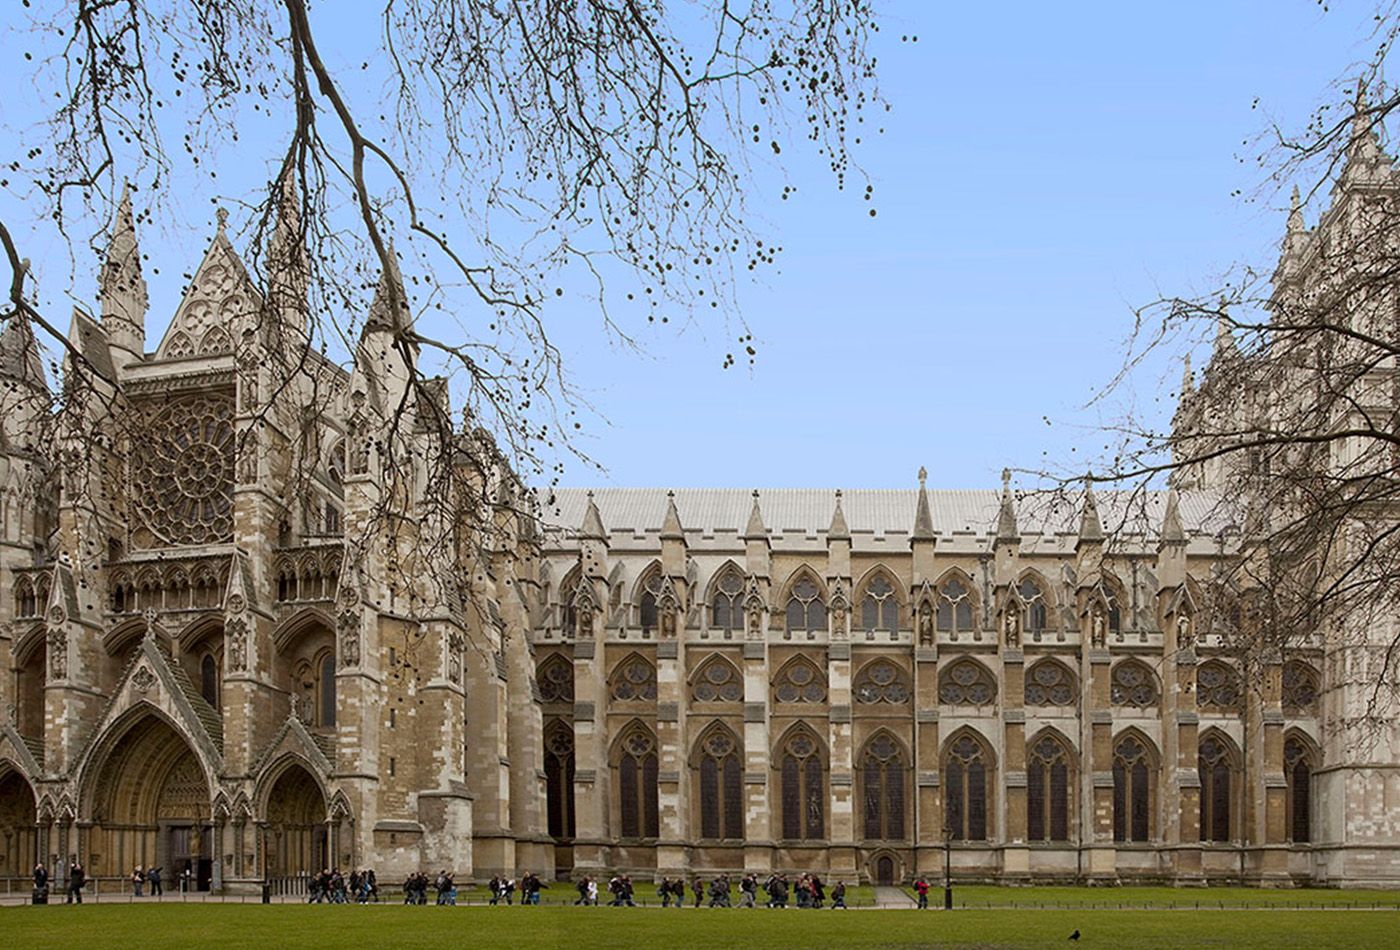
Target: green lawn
[[217, 926], [972, 897]]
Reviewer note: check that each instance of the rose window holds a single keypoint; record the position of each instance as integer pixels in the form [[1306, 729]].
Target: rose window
[[1133, 685], [881, 682], [719, 683], [634, 680], [800, 682], [1049, 684], [966, 683], [182, 473]]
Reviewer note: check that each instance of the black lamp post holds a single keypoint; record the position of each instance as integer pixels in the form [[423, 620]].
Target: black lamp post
[[947, 868]]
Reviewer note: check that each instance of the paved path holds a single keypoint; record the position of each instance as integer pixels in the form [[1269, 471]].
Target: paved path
[[893, 897]]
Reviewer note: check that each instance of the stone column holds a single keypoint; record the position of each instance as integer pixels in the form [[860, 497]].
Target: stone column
[[1096, 764]]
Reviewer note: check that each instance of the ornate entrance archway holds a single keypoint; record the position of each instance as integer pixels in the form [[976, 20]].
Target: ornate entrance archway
[[19, 838], [296, 826], [150, 807]]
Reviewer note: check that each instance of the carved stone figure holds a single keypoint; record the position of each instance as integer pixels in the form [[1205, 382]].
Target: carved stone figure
[[58, 654], [1097, 624], [1012, 625], [585, 624], [926, 625], [236, 636], [755, 624], [454, 657], [349, 639], [668, 624], [1185, 633], [143, 679]]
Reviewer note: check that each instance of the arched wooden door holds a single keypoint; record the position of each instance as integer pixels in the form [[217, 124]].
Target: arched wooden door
[[884, 871]]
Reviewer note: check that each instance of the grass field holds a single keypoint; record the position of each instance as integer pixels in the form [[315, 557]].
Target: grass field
[[228, 925]]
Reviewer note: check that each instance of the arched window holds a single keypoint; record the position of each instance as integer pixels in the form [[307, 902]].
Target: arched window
[[559, 777], [636, 784], [954, 614], [1037, 615], [880, 608], [718, 682], [883, 781], [803, 789], [966, 683], [805, 608], [881, 681], [1132, 684], [326, 706], [726, 606], [1132, 791], [1115, 613], [1297, 769], [209, 680], [721, 786], [1217, 687], [634, 680], [568, 591], [1300, 688], [965, 805], [1049, 683], [1047, 791], [26, 604], [1216, 770], [648, 614], [799, 682], [556, 680]]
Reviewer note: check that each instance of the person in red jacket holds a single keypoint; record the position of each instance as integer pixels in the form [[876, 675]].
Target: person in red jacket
[[921, 888]]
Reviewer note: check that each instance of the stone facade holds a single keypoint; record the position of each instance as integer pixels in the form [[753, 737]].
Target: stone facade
[[219, 654]]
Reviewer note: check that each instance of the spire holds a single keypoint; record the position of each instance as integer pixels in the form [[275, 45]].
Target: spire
[[1172, 531], [1090, 526], [288, 273], [923, 518], [592, 529], [838, 530], [671, 529], [754, 530], [389, 309], [20, 359], [1364, 148], [121, 286], [1225, 347], [1188, 381], [1006, 516], [1295, 212]]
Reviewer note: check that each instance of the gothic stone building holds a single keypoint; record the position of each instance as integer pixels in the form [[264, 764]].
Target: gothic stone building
[[204, 670]]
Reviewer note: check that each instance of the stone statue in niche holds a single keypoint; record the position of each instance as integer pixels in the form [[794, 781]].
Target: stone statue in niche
[[668, 624], [838, 622], [926, 625], [1185, 633], [1012, 624], [755, 624], [1097, 623], [585, 624]]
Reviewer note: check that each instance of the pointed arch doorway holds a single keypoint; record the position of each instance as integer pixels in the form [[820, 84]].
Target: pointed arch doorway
[[884, 871]]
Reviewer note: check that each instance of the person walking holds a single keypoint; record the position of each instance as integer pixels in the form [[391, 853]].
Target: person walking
[[921, 888], [838, 896], [699, 890], [592, 892], [748, 890], [77, 877]]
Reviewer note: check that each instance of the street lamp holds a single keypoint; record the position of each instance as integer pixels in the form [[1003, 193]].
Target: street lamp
[[947, 868]]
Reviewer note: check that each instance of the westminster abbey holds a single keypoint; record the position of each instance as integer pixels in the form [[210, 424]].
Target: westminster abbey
[[201, 675]]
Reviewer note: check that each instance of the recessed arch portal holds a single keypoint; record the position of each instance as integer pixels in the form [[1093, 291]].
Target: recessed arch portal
[[19, 846]]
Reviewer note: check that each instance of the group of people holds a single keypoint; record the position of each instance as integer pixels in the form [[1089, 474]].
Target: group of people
[[141, 877], [332, 887], [503, 889], [77, 879]]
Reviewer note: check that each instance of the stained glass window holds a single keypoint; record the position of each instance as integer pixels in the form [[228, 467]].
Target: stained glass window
[[1049, 683], [721, 786], [1217, 778], [966, 683], [1133, 684], [559, 777], [634, 680], [965, 790], [637, 776], [880, 608], [954, 613], [209, 680], [556, 679], [1037, 616], [718, 682], [805, 608], [1300, 687], [1217, 687], [726, 607], [800, 682], [803, 789], [1131, 791], [1297, 769], [1047, 791], [883, 777]]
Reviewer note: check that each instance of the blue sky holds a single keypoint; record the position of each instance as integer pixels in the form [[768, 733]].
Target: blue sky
[[1045, 168]]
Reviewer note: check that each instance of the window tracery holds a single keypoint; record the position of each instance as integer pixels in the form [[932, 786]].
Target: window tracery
[[634, 680], [718, 682], [1033, 601], [1297, 769], [1216, 770], [726, 606], [182, 480], [556, 680], [637, 784], [1131, 791], [883, 781], [805, 609], [803, 789], [799, 682], [648, 609], [1217, 687], [1133, 684], [559, 777], [1047, 791], [965, 770], [1300, 688], [721, 786], [881, 681], [880, 608], [1050, 684], [966, 683], [954, 610]]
